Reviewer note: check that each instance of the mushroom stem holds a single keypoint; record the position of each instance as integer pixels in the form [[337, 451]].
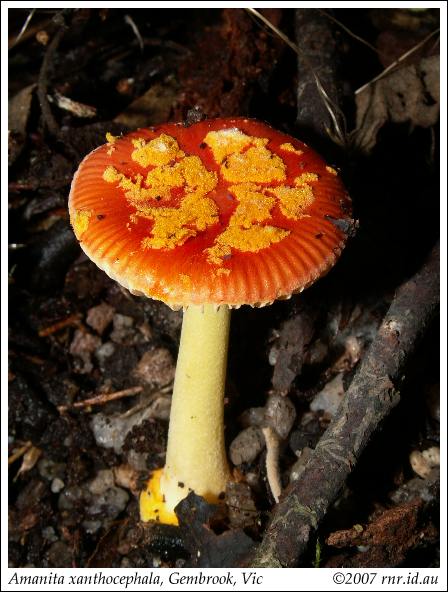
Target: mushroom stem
[[196, 457]]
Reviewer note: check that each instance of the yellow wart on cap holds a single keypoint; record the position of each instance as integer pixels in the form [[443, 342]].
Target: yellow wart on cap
[[257, 164], [159, 151], [288, 147], [172, 226], [306, 178], [110, 139], [251, 240], [293, 200], [81, 221], [246, 161]]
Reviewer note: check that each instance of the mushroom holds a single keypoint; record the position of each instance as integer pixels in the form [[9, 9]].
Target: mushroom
[[206, 218]]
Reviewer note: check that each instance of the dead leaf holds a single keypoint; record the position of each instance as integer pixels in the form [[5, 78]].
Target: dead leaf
[[206, 548], [151, 108], [410, 94], [287, 353], [19, 107], [30, 458]]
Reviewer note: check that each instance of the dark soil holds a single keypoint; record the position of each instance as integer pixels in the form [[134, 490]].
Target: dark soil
[[75, 472]]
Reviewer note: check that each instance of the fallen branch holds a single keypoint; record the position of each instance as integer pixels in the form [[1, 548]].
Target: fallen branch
[[373, 393]]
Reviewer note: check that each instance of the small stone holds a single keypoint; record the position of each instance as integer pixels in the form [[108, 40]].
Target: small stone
[[423, 463], [317, 352], [70, 498], [353, 347], [247, 445], [91, 526], [49, 534], [241, 506], [123, 331], [99, 317], [156, 367], [59, 555], [280, 415], [329, 398], [109, 504], [104, 351], [432, 456], [146, 331], [126, 476], [103, 481], [82, 346], [48, 469], [254, 416], [420, 464], [84, 343], [57, 485], [110, 431], [137, 460]]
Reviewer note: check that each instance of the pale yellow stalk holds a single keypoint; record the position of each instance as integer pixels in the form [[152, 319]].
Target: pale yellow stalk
[[196, 457]]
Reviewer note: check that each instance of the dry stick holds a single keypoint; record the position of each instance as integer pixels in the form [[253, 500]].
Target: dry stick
[[371, 396], [42, 82], [102, 399], [397, 62], [19, 452], [349, 31], [23, 29], [272, 462]]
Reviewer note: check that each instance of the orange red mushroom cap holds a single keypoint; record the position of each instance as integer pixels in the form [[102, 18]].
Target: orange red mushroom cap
[[226, 211]]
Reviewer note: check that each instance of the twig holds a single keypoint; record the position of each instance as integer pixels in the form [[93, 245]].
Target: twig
[[78, 109], [332, 108], [398, 61], [73, 319], [19, 452], [272, 470], [371, 396], [102, 399], [349, 31], [42, 82], [23, 29], [130, 21]]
